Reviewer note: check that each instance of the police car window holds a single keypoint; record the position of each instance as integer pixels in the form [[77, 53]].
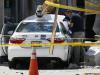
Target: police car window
[[36, 27], [63, 28]]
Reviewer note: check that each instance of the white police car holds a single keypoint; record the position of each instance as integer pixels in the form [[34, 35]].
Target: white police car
[[39, 30]]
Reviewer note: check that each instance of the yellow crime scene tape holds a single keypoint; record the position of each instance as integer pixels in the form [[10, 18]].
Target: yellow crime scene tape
[[54, 44], [87, 3], [62, 44], [71, 8]]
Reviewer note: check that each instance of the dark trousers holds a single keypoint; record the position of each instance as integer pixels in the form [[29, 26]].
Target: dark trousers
[[77, 51]]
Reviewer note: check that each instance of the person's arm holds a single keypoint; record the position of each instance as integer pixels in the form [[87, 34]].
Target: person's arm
[[71, 24], [72, 21]]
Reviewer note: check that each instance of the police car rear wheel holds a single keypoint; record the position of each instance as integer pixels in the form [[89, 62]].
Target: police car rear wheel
[[12, 64]]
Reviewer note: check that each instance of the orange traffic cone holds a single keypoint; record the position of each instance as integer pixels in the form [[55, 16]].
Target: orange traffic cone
[[33, 69]]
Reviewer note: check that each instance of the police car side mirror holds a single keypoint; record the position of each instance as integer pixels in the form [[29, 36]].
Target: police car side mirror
[[10, 32]]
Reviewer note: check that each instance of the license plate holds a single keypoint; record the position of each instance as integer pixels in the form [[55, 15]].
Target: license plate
[[35, 43]]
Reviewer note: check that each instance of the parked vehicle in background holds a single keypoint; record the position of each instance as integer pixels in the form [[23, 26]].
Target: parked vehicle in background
[[7, 30], [39, 30]]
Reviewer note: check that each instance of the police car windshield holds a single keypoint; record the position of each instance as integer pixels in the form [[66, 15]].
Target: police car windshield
[[36, 27]]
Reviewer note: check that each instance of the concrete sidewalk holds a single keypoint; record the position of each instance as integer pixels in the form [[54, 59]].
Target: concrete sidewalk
[[4, 70]]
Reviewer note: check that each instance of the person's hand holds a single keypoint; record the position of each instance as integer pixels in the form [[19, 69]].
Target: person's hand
[[71, 25]]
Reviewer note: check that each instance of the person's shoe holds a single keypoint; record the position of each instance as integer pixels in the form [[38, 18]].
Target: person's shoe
[[73, 66]]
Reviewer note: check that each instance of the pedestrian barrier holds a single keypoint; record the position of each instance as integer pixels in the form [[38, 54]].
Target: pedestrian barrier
[[71, 8]]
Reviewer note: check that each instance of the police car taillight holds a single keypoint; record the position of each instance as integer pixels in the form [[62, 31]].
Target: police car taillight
[[57, 40], [17, 40]]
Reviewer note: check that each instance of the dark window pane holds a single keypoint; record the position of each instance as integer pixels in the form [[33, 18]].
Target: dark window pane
[[36, 27]]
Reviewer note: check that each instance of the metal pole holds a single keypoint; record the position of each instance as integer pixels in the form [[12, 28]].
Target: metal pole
[[54, 31], [1, 14], [16, 10], [23, 2]]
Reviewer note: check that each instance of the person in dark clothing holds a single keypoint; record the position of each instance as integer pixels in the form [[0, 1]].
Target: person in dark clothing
[[89, 32], [66, 18], [67, 14], [77, 29], [76, 20], [78, 24]]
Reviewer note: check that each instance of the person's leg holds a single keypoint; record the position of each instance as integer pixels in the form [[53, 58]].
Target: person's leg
[[77, 50], [76, 53]]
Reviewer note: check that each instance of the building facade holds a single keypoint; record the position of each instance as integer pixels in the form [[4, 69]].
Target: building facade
[[1, 14], [19, 9], [16, 10]]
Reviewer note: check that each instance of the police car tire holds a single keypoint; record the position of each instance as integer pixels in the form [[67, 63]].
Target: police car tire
[[12, 64]]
